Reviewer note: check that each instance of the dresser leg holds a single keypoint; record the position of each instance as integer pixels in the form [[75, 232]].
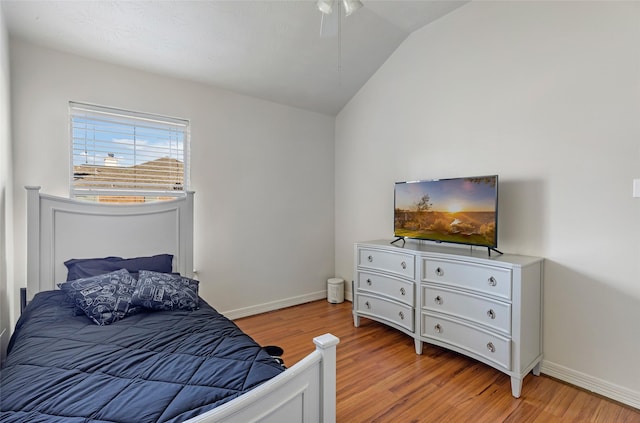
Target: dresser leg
[[418, 346], [536, 369], [516, 387], [356, 320]]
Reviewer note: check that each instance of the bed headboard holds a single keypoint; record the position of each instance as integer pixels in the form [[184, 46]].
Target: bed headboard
[[59, 229]]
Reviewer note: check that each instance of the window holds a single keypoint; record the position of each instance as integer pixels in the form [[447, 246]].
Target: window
[[122, 156]]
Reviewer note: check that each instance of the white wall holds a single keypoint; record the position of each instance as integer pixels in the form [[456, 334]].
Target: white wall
[[547, 95], [6, 193], [262, 172]]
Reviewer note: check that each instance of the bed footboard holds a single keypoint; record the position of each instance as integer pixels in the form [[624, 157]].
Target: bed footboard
[[306, 392]]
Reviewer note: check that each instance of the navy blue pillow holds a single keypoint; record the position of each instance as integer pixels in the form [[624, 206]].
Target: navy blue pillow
[[103, 298], [165, 291], [84, 268]]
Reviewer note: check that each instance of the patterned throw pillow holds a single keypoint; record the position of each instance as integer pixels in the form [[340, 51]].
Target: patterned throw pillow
[[165, 291], [103, 298]]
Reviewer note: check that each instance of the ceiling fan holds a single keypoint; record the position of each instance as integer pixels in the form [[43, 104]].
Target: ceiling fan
[[330, 23], [350, 6]]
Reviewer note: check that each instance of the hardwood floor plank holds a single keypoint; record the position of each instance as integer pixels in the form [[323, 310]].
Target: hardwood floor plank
[[380, 378]]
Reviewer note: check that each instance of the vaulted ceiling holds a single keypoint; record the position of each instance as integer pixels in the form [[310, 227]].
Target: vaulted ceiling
[[266, 49]]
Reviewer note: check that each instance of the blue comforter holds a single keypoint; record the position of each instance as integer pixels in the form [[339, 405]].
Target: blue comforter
[[160, 366]]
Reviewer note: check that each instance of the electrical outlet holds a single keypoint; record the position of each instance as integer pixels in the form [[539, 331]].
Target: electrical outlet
[[636, 188]]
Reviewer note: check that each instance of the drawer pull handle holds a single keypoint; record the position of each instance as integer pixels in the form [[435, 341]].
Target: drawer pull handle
[[367, 304], [438, 300], [402, 291], [401, 314], [370, 258], [439, 271], [491, 314], [403, 265], [437, 328], [369, 282], [491, 347], [493, 281]]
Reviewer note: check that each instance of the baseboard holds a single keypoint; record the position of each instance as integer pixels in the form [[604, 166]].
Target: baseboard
[[274, 305], [348, 296], [593, 384]]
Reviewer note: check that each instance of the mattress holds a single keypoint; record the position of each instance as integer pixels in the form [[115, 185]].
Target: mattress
[[154, 366]]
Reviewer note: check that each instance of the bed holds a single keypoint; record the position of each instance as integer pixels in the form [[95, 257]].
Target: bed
[[169, 359]]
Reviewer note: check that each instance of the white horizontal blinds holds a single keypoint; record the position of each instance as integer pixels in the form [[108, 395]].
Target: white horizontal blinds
[[126, 152]]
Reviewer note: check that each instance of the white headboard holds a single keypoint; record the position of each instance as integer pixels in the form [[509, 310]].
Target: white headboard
[[59, 229]]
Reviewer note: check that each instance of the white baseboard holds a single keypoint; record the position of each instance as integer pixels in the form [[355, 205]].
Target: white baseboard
[[274, 305], [348, 296], [593, 384]]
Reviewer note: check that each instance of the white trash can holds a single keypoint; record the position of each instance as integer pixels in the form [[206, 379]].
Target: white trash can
[[335, 290]]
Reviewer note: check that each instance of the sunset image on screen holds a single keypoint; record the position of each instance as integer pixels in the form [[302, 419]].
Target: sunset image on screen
[[461, 210]]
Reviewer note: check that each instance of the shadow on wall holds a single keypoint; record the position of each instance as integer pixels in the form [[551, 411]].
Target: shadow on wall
[[522, 211]]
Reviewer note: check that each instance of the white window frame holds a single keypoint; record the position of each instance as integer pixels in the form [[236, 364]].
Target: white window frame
[[133, 148]]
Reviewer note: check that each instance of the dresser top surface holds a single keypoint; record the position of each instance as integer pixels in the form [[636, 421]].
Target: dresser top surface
[[477, 253]]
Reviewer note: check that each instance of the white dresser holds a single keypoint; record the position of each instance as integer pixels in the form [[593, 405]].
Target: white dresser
[[486, 307]]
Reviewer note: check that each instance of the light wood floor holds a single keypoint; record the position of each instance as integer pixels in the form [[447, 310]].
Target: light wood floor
[[381, 379]]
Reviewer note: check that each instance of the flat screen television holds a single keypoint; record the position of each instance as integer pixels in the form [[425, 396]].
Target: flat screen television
[[455, 210]]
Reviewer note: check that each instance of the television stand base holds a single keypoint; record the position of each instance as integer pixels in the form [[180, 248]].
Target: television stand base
[[494, 249], [398, 239]]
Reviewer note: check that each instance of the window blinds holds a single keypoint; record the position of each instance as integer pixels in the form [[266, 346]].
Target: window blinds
[[117, 152]]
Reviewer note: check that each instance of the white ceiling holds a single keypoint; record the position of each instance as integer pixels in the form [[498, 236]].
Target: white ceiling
[[266, 49]]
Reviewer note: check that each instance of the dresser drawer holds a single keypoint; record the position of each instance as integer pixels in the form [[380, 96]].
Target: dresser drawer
[[491, 313], [398, 289], [400, 314], [489, 280], [387, 261], [492, 347]]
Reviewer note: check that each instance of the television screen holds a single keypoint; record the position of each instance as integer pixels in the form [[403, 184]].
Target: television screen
[[457, 210]]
